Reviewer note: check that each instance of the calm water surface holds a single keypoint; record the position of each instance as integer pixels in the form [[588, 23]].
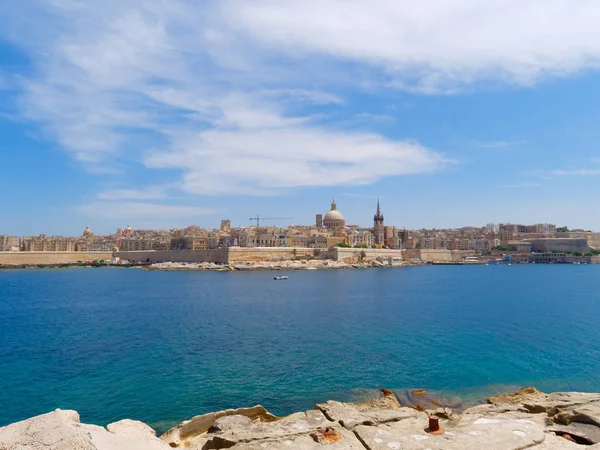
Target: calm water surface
[[164, 346]]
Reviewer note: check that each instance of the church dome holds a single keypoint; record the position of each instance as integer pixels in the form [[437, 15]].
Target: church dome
[[334, 219], [334, 215], [87, 232]]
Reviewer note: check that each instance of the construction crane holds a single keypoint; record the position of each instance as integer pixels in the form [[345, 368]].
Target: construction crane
[[258, 219]]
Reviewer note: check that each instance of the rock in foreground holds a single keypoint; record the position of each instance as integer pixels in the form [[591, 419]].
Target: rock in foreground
[[61, 430], [525, 419]]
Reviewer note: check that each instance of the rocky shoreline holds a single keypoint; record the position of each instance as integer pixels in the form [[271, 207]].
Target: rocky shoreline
[[525, 419], [275, 265]]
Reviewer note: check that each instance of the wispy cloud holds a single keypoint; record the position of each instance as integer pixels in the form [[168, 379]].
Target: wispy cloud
[[369, 117], [357, 195], [576, 172], [522, 185], [244, 160], [126, 211], [493, 145], [151, 193], [550, 174]]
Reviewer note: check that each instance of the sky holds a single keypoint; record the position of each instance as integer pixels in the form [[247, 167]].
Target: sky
[[166, 113]]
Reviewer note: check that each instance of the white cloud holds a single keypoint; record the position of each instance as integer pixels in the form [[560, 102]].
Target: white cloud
[[255, 161], [434, 45], [133, 194], [128, 211], [233, 94]]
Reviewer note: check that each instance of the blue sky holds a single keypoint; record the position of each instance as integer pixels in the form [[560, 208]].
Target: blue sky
[[165, 114]]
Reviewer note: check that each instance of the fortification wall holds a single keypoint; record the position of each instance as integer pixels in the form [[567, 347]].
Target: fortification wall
[[263, 254], [436, 255], [194, 256], [34, 258], [560, 245], [351, 255], [594, 240]]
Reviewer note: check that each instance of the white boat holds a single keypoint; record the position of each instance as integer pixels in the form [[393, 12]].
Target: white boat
[[282, 277]]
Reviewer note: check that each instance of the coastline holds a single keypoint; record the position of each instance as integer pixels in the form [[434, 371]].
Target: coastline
[[254, 266], [274, 265], [524, 419]]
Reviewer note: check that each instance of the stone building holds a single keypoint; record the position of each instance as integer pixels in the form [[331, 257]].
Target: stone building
[[43, 243], [189, 243], [10, 243], [361, 238], [391, 237]]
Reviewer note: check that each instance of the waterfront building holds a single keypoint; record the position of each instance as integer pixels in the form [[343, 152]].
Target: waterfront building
[[189, 243], [391, 237], [334, 219], [361, 238], [378, 227], [43, 243], [403, 235], [10, 243]]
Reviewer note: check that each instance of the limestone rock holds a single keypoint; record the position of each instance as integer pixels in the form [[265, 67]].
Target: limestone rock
[[372, 413], [52, 431], [228, 423], [498, 433], [346, 441], [192, 431], [61, 430], [294, 425]]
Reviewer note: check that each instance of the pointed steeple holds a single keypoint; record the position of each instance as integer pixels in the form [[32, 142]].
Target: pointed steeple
[[378, 217]]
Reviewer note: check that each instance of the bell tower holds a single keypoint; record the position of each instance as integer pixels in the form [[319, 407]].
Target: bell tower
[[378, 229]]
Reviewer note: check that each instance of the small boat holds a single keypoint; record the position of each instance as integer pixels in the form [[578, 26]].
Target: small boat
[[282, 277]]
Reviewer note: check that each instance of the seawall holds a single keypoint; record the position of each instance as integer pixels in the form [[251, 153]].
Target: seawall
[[232, 255], [50, 258]]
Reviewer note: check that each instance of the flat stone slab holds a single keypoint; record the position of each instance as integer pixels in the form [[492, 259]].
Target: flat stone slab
[[489, 434], [346, 441], [350, 415], [289, 427]]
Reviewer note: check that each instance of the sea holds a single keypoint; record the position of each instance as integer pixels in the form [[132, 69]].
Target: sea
[[161, 347]]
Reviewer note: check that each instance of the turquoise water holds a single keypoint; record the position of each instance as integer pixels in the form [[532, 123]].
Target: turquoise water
[[164, 346]]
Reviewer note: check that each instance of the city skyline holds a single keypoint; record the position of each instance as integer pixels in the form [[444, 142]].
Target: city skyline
[[273, 222], [165, 115]]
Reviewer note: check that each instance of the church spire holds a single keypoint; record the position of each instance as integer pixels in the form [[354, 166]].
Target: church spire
[[378, 208]]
